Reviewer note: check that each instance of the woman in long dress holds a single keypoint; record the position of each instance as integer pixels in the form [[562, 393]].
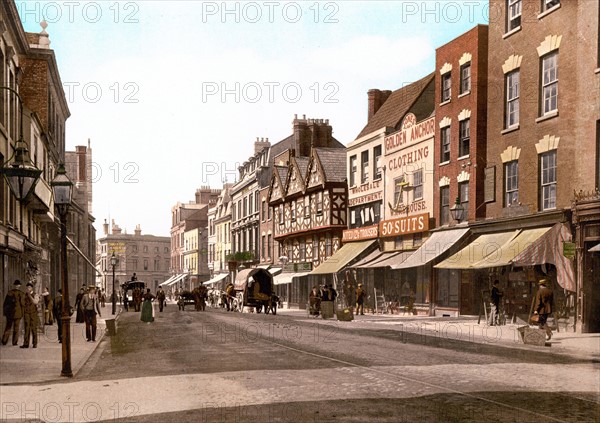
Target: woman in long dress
[[147, 313], [79, 317]]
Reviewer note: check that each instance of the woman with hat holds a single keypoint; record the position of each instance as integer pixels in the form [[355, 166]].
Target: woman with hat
[[543, 306], [147, 311]]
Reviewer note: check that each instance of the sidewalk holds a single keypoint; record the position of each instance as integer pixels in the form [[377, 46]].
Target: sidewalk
[[466, 329], [16, 363]]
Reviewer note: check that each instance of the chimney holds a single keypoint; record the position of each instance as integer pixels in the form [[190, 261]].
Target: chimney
[[260, 144], [81, 163], [302, 136], [138, 230], [321, 133], [105, 227], [376, 100], [115, 228]]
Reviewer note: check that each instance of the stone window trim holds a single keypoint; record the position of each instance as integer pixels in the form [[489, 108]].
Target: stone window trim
[[512, 63], [546, 12], [546, 144], [510, 154], [550, 44]]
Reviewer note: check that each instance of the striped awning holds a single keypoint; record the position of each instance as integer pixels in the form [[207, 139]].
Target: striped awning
[[175, 279], [216, 279], [486, 245], [549, 249], [374, 255], [342, 257], [433, 247], [389, 259], [286, 278]]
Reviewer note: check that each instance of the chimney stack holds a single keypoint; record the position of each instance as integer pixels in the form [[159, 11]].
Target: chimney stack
[[105, 227], [261, 144], [138, 230], [376, 100]]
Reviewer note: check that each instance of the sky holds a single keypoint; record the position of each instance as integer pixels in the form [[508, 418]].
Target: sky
[[173, 94]]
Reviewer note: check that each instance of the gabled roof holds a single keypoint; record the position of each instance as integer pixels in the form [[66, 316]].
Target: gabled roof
[[333, 162], [392, 112], [282, 172], [302, 163]]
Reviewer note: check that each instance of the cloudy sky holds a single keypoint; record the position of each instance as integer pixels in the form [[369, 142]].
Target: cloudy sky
[[172, 94]]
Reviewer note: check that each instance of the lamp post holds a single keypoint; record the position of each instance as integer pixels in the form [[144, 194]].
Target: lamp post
[[19, 171], [113, 263], [457, 210], [63, 192]]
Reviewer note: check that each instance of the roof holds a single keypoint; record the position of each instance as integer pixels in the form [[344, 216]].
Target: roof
[[333, 161], [396, 106], [282, 172], [302, 163]]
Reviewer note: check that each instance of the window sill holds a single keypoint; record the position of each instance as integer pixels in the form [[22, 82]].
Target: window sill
[[466, 156], [547, 116], [547, 12], [511, 32], [597, 70], [443, 103], [466, 93], [509, 130], [445, 163]]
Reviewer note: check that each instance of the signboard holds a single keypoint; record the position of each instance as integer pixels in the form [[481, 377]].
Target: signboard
[[365, 199], [411, 133], [569, 249], [117, 247], [404, 225], [297, 267], [356, 234]]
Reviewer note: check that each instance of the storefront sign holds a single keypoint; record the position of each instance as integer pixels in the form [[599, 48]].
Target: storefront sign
[[365, 187], [411, 132], [569, 249], [356, 234], [297, 267], [117, 247], [365, 199], [404, 225]]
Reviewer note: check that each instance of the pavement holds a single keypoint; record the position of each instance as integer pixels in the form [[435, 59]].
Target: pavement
[[43, 364]]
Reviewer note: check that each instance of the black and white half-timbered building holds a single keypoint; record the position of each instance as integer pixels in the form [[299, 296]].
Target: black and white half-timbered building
[[308, 195]]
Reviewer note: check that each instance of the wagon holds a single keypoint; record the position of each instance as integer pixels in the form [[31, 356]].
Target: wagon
[[254, 288], [185, 298]]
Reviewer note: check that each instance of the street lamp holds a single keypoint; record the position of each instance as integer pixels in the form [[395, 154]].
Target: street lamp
[[19, 171], [113, 263], [457, 210], [63, 192]]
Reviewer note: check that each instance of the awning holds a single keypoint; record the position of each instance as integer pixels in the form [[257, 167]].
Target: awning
[[176, 279], [285, 278], [168, 280], [507, 252], [216, 279], [477, 251], [433, 247], [595, 249], [374, 255], [549, 249], [343, 256], [387, 259]]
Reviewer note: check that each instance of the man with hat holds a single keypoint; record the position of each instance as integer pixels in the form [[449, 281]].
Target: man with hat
[[91, 308], [58, 306], [160, 296], [495, 298], [543, 306], [13, 310], [30, 314], [360, 299]]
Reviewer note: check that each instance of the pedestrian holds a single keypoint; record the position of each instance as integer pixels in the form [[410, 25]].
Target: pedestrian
[[348, 289], [160, 296], [360, 299], [230, 291], [147, 311], [48, 320], [90, 304], [13, 310], [495, 297], [57, 310], [79, 317], [543, 306], [30, 315], [334, 295], [326, 302], [102, 299], [314, 301]]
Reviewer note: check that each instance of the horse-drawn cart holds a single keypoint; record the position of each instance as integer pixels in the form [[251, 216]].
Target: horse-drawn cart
[[254, 288]]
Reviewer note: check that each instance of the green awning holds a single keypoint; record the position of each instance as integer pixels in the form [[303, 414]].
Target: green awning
[[342, 257]]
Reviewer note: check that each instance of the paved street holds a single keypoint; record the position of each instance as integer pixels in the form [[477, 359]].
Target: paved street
[[216, 366]]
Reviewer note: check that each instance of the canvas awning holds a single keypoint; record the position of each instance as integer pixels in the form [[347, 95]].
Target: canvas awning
[[275, 270], [175, 280], [166, 283], [342, 257], [374, 255], [389, 259], [474, 253], [549, 249], [285, 278], [595, 249], [216, 279], [433, 247]]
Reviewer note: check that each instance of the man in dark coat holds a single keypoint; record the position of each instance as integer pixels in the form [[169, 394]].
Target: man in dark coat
[[13, 310], [30, 314], [495, 298], [91, 307], [360, 299], [543, 306], [160, 296]]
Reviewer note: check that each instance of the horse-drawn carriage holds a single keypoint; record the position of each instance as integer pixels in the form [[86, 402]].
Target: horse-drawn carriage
[[133, 292], [254, 288]]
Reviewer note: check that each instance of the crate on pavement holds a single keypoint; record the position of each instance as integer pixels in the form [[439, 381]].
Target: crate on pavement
[[532, 336], [111, 327], [345, 315]]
